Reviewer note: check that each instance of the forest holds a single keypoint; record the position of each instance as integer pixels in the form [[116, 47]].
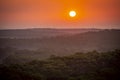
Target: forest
[[91, 65], [65, 54]]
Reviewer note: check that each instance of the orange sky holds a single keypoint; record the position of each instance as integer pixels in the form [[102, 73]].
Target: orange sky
[[55, 12]]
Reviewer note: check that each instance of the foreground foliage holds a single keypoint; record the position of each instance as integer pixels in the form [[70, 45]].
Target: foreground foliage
[[79, 66]]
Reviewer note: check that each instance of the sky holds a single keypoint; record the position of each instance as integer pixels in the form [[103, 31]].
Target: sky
[[55, 13]]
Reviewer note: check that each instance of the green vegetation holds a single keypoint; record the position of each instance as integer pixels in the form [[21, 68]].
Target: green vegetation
[[79, 66]]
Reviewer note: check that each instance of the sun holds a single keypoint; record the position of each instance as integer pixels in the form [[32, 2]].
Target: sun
[[72, 13]]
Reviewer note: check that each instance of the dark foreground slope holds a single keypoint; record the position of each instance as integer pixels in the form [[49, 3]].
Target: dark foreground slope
[[80, 66]]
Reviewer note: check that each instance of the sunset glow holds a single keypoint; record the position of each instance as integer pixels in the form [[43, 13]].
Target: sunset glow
[[56, 13]]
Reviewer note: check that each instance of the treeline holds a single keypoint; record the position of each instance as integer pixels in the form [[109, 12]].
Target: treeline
[[79, 66]]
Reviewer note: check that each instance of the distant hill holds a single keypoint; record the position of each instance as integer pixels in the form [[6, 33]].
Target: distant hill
[[104, 40], [22, 50], [40, 32]]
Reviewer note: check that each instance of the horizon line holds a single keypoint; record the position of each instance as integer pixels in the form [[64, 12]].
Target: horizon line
[[57, 28]]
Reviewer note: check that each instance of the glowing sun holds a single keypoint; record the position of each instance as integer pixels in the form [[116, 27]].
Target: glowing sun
[[72, 13]]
